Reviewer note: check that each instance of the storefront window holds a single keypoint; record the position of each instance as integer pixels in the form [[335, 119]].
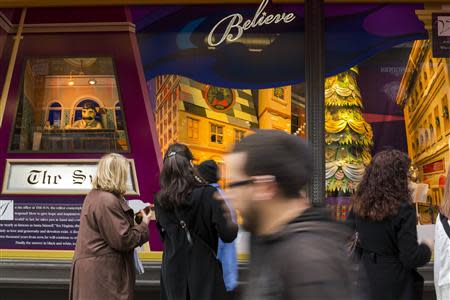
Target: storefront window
[[223, 83], [389, 91], [86, 116]]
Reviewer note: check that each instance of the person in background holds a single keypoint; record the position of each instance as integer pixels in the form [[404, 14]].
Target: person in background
[[442, 247], [103, 266], [191, 217], [385, 219], [297, 251], [226, 253]]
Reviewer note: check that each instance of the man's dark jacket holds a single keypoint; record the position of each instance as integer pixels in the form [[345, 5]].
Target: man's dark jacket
[[305, 260]]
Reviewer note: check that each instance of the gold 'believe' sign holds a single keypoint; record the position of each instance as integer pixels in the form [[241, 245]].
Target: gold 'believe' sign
[[235, 26]]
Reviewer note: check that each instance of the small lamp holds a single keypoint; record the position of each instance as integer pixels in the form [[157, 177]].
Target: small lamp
[[71, 82]]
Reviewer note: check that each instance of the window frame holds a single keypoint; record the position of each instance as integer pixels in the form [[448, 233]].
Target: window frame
[[50, 108], [237, 133], [217, 134], [193, 129], [62, 151]]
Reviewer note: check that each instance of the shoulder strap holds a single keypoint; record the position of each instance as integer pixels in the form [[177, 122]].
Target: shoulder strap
[[189, 234], [444, 222], [183, 225]]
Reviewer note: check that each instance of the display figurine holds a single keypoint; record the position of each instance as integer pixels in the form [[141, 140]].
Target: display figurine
[[413, 173], [88, 120]]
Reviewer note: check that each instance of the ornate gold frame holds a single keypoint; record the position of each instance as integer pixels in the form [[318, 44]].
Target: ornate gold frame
[[10, 162]]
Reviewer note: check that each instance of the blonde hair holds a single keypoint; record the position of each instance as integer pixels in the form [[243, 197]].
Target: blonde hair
[[112, 174], [445, 205]]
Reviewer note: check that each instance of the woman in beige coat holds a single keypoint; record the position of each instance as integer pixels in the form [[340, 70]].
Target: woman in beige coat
[[103, 266]]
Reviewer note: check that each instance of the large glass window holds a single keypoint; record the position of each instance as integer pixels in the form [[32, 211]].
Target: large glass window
[[69, 105], [389, 89], [220, 91], [222, 84]]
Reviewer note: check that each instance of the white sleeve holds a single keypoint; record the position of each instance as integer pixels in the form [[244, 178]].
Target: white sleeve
[[436, 267]]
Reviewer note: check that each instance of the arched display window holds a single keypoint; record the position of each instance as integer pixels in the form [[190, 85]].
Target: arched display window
[[54, 114]]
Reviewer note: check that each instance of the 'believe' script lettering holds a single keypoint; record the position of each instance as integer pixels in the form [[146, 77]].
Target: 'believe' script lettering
[[235, 26]]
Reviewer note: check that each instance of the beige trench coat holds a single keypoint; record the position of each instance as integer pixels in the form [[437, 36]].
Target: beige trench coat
[[102, 266]]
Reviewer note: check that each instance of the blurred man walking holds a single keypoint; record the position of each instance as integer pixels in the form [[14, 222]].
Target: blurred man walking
[[297, 252]]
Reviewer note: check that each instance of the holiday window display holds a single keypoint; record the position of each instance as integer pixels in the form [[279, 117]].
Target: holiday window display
[[59, 111], [348, 139], [424, 97]]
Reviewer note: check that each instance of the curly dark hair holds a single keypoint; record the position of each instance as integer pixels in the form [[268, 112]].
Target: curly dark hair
[[384, 186]]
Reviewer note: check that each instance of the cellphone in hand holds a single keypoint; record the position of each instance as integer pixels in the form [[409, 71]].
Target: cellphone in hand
[[138, 216]]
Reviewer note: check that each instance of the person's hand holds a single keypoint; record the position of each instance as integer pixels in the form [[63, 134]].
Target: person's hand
[[429, 243], [146, 217], [223, 205]]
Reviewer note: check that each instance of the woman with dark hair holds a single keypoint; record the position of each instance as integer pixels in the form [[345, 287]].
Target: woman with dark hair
[[385, 220], [191, 217]]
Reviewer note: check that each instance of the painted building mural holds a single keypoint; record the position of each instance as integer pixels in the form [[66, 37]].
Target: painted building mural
[[211, 119], [424, 94]]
